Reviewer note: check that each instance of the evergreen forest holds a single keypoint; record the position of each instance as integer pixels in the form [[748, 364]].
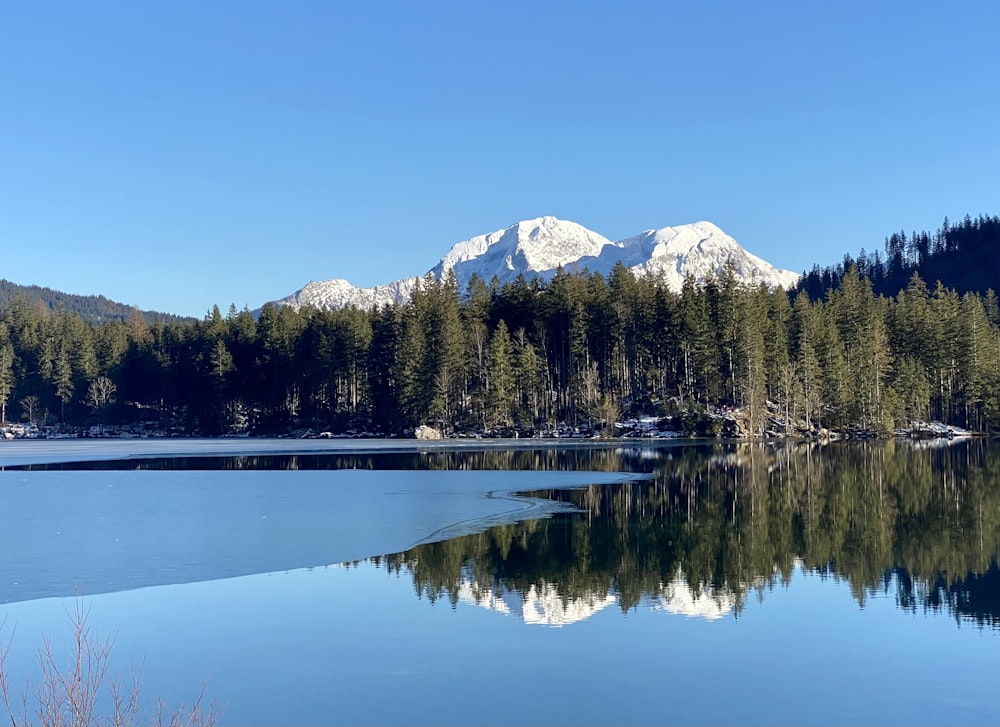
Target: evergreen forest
[[95, 308], [581, 350], [964, 257]]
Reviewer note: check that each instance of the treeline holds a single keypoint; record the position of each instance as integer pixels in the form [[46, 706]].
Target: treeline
[[93, 308], [580, 350], [964, 257]]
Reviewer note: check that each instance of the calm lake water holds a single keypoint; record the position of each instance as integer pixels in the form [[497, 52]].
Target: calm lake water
[[854, 583]]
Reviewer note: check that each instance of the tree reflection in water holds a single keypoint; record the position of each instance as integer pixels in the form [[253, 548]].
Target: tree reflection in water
[[714, 524]]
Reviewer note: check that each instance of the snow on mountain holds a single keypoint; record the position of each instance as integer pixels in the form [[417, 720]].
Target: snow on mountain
[[341, 294], [540, 246], [701, 249], [540, 606], [708, 603], [533, 246], [545, 606]]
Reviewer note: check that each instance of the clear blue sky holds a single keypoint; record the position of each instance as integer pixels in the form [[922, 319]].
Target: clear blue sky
[[173, 155]]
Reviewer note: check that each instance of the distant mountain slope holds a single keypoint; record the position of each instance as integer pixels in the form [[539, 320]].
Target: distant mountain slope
[[543, 604], [341, 294], [533, 246], [540, 246], [700, 249], [94, 308], [963, 256]]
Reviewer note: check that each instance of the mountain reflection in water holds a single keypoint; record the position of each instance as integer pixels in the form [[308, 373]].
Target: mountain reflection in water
[[543, 605], [711, 527], [713, 523]]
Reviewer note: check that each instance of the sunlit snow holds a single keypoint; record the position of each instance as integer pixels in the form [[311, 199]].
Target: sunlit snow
[[541, 246]]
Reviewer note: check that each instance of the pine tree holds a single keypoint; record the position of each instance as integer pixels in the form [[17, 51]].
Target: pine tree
[[911, 328], [478, 352], [776, 345], [381, 369], [750, 361], [528, 378], [837, 392], [805, 353], [945, 306], [700, 367], [445, 349], [501, 384], [414, 390], [725, 299], [623, 295], [221, 363], [878, 361], [6, 371], [974, 357], [911, 390], [63, 380], [278, 377]]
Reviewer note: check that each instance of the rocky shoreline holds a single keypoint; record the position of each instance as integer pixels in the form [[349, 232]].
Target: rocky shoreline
[[728, 424]]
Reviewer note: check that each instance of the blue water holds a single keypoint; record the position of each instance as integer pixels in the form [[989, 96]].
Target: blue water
[[256, 600], [356, 646]]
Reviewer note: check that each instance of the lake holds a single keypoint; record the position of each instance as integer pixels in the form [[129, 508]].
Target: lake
[[347, 582]]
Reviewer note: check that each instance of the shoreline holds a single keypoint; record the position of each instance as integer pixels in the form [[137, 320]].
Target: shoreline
[[23, 452]]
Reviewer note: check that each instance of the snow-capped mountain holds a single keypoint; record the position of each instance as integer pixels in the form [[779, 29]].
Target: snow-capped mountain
[[540, 606], [341, 294], [545, 606], [539, 247], [700, 249], [533, 246], [708, 603]]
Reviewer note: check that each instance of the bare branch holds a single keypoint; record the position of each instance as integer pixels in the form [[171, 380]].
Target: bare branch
[[68, 695], [4, 682]]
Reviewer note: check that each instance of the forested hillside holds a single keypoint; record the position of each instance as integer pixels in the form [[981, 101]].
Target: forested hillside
[[581, 349], [94, 308], [964, 257]]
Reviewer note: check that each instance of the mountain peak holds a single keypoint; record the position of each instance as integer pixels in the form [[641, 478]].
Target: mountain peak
[[540, 246], [530, 246]]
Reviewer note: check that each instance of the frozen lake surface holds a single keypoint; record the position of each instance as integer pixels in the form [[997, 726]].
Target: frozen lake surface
[[90, 532], [31, 451]]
